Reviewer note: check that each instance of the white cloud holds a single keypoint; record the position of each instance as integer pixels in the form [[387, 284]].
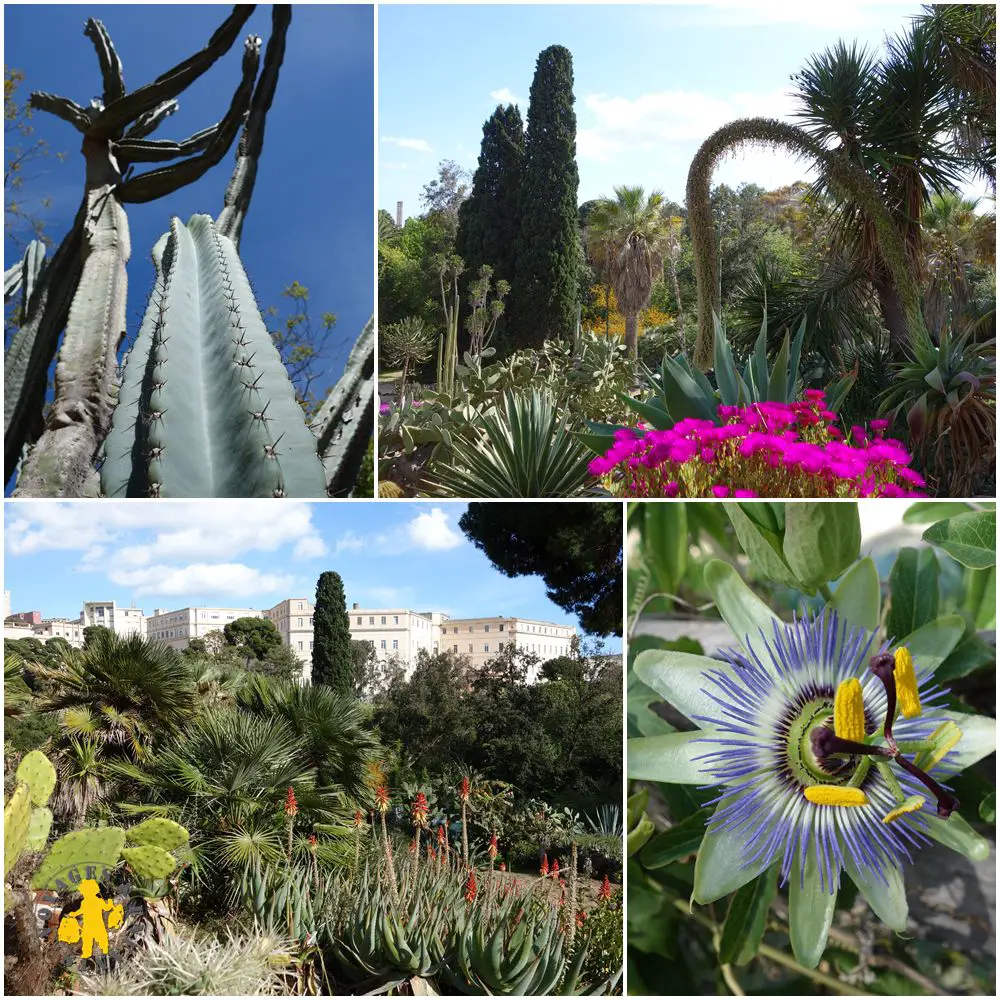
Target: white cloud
[[223, 579], [505, 96], [349, 542], [666, 118], [433, 531], [202, 530], [420, 145], [310, 547]]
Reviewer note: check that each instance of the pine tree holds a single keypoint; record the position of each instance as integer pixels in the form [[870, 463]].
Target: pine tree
[[332, 658], [545, 293], [489, 220]]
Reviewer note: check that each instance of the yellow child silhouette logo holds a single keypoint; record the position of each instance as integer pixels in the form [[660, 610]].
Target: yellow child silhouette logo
[[92, 910]]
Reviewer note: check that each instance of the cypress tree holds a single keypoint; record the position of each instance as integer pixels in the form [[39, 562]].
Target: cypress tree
[[489, 219], [545, 293], [332, 657]]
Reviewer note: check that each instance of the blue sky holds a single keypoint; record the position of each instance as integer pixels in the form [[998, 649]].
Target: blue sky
[[311, 215], [253, 554], [651, 83]]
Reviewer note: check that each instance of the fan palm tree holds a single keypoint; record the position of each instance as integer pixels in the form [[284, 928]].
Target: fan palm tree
[[123, 691], [627, 237], [82, 779]]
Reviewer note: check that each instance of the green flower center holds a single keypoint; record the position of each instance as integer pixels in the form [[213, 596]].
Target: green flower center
[[806, 766]]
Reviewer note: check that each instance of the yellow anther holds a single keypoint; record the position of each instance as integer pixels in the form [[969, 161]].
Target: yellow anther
[[835, 795], [912, 804], [906, 684], [943, 739], [849, 711]]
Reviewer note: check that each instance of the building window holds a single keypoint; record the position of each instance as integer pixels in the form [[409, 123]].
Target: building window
[[486, 628], [383, 643], [486, 647], [299, 608], [300, 645], [471, 629], [300, 623], [395, 619], [454, 649], [359, 621], [371, 619], [500, 646], [501, 626], [470, 647], [383, 619], [395, 644]]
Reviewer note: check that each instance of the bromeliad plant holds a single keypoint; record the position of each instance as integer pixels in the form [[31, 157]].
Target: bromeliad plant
[[827, 742]]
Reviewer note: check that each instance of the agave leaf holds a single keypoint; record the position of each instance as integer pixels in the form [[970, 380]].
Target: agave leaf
[[777, 385], [725, 367]]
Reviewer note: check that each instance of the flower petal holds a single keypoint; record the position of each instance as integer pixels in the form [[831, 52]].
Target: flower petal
[[680, 679], [669, 758], [858, 599], [888, 901], [979, 739], [720, 866], [955, 833], [743, 611], [810, 911]]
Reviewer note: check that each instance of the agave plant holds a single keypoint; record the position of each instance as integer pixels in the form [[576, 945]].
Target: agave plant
[[947, 393], [519, 448]]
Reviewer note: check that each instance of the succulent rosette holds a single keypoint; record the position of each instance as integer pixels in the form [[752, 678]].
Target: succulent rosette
[[828, 748]]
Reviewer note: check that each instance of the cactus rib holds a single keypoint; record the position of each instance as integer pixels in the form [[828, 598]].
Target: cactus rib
[[345, 422], [206, 408]]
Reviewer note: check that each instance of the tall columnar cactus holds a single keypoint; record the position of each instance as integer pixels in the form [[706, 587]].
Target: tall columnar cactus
[[344, 424], [206, 407], [82, 291]]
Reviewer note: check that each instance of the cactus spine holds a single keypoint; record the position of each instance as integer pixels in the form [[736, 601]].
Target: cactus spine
[[206, 408]]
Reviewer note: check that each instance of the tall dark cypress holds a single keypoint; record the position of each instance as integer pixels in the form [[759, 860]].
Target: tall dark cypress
[[490, 218], [332, 658], [545, 293]]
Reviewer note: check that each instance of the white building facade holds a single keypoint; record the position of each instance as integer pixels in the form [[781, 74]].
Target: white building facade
[[124, 621], [396, 632], [294, 620], [178, 628], [62, 628]]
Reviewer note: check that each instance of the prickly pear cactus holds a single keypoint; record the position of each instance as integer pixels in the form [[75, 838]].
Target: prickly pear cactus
[[158, 832], [150, 862], [206, 408], [38, 828], [37, 772], [79, 855], [16, 820]]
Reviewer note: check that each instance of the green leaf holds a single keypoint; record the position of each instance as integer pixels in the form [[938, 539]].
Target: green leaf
[[913, 585], [680, 679], [745, 613], [981, 597], [969, 655], [887, 899], [744, 927], [636, 806], [821, 541], [928, 512], [777, 386], [678, 842], [858, 597], [971, 539], [762, 547], [642, 720], [655, 416], [933, 643], [639, 834], [955, 833], [988, 808], [810, 910], [665, 544], [668, 758]]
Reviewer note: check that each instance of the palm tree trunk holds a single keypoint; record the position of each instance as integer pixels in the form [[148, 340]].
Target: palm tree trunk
[[893, 315], [632, 334]]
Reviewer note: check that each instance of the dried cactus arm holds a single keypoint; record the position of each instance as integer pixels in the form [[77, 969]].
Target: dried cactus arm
[[12, 281], [158, 150], [113, 119], [207, 409], [33, 346], [61, 463], [241, 185], [111, 65], [61, 107], [166, 180], [345, 422], [148, 122]]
